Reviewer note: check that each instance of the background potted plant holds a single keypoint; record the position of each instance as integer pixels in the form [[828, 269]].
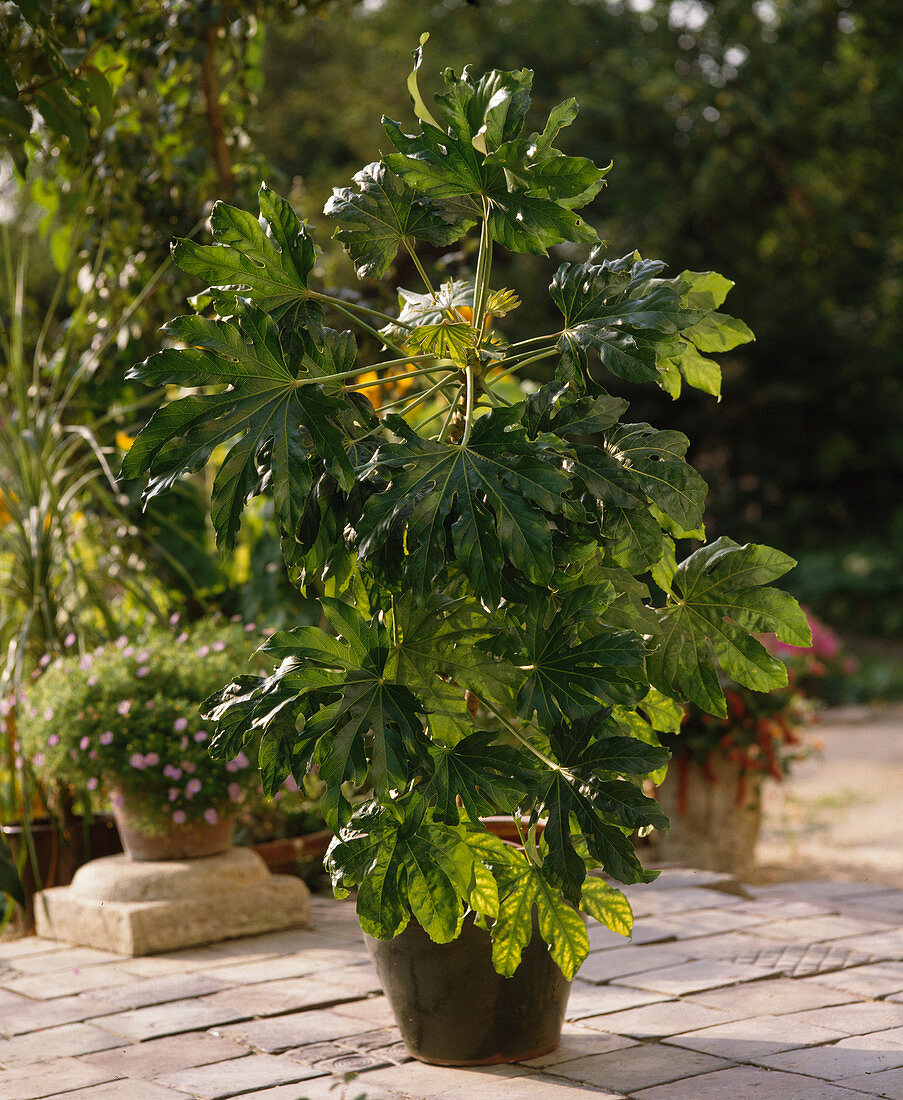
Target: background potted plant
[[488, 642], [121, 722], [712, 793]]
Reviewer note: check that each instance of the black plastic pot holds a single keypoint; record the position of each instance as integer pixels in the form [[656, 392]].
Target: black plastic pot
[[453, 1009]]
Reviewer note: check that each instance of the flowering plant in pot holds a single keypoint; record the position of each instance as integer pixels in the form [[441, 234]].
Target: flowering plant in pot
[[488, 641], [122, 722], [712, 793]]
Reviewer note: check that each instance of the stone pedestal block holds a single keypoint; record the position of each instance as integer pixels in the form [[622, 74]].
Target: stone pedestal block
[[132, 908]]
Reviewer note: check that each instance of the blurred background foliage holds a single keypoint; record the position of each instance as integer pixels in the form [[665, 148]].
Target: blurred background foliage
[[761, 139]]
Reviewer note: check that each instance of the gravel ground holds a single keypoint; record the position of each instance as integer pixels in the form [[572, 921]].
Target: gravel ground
[[840, 816]]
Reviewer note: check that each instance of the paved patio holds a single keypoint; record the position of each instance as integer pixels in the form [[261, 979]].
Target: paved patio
[[788, 992]]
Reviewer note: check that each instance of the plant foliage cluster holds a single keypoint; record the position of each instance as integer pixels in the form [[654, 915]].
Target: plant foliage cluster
[[124, 718], [489, 640]]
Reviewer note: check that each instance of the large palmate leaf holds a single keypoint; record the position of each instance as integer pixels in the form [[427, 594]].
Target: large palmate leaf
[[523, 886], [360, 713], [405, 863], [568, 673], [437, 655], [383, 215], [530, 189], [267, 261], [620, 310], [272, 414], [718, 605], [606, 905], [587, 787], [487, 778], [496, 493], [714, 332], [655, 464]]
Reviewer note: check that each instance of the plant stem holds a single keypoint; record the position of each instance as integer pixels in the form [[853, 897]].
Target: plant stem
[[433, 416], [523, 740], [518, 361], [383, 381], [534, 340], [451, 412], [340, 308], [328, 299], [419, 266], [376, 366], [468, 407], [416, 398], [484, 266]]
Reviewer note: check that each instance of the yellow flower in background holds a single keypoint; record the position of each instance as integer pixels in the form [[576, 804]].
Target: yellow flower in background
[[124, 441]]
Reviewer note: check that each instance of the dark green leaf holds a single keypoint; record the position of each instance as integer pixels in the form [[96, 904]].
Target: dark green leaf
[[269, 410], [488, 490]]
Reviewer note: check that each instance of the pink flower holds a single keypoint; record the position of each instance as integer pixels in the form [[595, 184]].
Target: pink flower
[[200, 736], [172, 772], [69, 641], [290, 784], [149, 705], [53, 739], [45, 660], [234, 792], [203, 650], [136, 760], [38, 759], [84, 743], [173, 618], [142, 671], [218, 647], [211, 816], [48, 714], [20, 763], [180, 724], [189, 767], [182, 638], [173, 794], [128, 651], [85, 663], [122, 641], [143, 657], [92, 680], [192, 787], [92, 755], [249, 627], [124, 707], [152, 759], [179, 817], [92, 784], [106, 737]]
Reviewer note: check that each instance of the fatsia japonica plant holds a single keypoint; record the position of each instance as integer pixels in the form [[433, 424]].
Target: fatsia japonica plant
[[484, 552]]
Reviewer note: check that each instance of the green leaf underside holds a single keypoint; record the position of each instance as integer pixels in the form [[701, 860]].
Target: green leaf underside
[[383, 215]]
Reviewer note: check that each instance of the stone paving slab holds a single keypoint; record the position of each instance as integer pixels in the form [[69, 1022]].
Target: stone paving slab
[[723, 992]]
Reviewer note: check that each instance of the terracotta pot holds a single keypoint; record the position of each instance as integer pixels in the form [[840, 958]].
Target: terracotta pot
[[453, 1009], [283, 855], [192, 840], [715, 814]]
